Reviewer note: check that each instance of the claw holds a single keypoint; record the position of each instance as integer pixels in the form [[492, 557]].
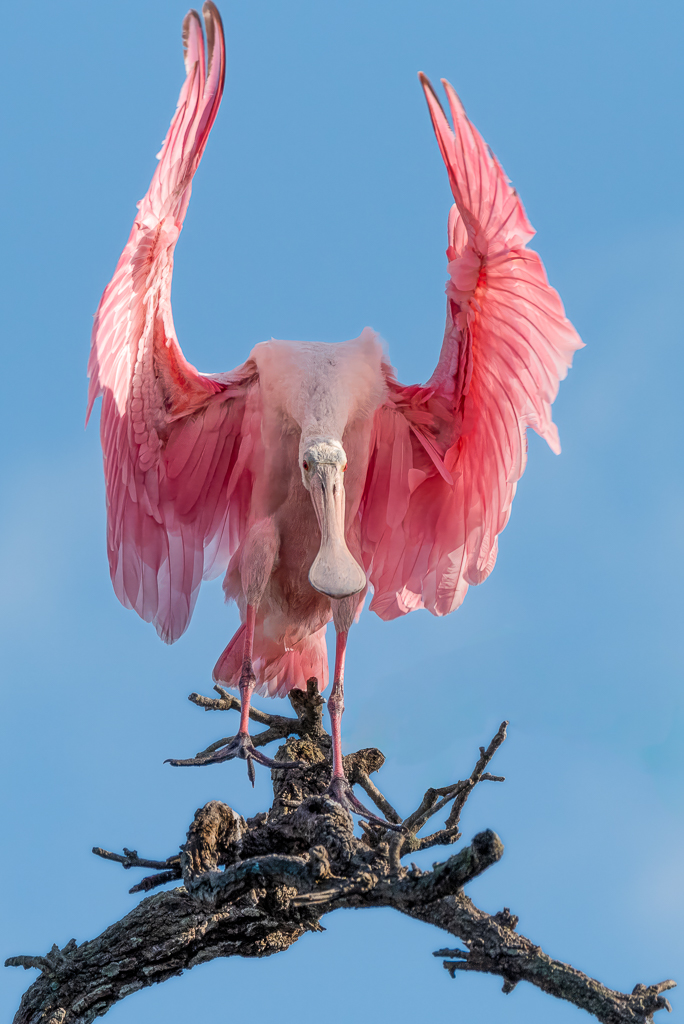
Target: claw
[[240, 746], [341, 792]]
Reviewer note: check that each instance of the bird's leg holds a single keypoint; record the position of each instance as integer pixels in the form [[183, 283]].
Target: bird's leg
[[245, 747], [336, 705], [339, 788], [241, 745]]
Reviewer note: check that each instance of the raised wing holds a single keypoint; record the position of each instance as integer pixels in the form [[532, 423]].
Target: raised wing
[[446, 457], [176, 443]]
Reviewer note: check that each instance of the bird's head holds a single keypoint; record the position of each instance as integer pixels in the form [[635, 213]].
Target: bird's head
[[335, 571]]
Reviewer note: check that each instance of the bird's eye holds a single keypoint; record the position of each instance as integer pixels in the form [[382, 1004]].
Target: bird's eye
[[305, 464], [344, 468]]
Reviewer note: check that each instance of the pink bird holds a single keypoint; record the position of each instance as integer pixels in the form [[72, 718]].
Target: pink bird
[[309, 473]]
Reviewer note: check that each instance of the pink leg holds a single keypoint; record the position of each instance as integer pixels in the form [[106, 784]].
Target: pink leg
[[339, 788], [336, 705], [242, 745], [247, 678]]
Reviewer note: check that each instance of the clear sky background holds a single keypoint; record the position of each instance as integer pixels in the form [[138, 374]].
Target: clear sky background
[[321, 207]]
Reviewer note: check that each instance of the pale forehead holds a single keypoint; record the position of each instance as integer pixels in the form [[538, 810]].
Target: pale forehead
[[319, 449]]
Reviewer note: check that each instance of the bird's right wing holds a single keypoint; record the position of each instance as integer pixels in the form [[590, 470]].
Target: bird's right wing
[[446, 456], [177, 443]]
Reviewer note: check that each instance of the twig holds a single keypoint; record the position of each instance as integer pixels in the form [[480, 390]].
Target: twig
[[259, 739], [279, 726], [153, 881], [170, 868], [380, 801], [228, 702], [477, 776], [444, 837], [458, 791], [130, 859]]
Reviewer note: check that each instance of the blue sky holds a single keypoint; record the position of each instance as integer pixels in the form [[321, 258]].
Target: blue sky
[[321, 207]]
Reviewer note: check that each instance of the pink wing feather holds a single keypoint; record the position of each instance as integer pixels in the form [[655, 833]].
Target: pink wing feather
[[431, 531], [176, 443]]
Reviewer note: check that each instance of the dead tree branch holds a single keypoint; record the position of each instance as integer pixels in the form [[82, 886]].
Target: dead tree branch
[[252, 888]]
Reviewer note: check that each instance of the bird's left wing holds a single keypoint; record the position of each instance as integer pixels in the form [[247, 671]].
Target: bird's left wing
[[445, 457], [176, 442]]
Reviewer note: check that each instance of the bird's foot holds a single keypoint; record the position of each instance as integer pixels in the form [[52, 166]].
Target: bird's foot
[[240, 746], [342, 793]]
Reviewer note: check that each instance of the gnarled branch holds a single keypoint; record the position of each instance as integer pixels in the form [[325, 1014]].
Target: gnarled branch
[[252, 888]]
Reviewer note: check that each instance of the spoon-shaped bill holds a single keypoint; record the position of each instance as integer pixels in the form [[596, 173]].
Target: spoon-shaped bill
[[335, 571]]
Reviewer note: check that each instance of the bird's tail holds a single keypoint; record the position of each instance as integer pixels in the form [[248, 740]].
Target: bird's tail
[[278, 670]]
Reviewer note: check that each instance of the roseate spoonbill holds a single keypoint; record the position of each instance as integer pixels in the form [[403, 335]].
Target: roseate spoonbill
[[310, 473]]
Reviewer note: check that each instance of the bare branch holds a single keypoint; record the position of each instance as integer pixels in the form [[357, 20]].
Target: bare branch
[[252, 888]]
